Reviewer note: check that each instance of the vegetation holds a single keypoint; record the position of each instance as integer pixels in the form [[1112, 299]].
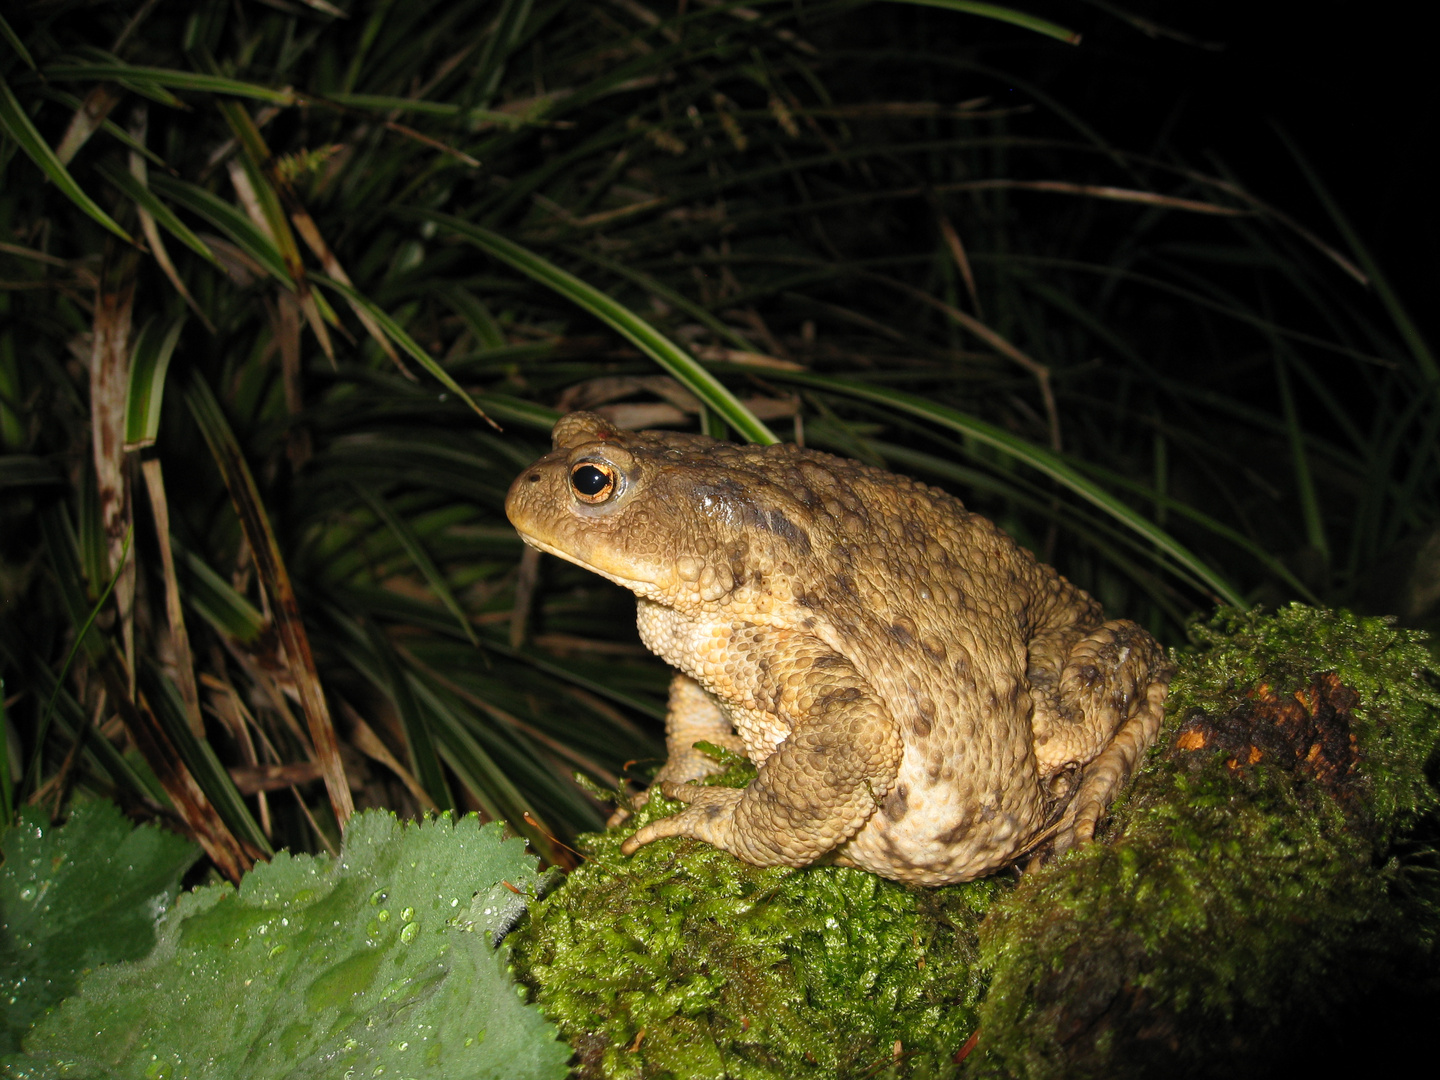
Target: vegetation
[[681, 960], [1260, 878], [75, 903], [292, 290], [382, 960], [1267, 870]]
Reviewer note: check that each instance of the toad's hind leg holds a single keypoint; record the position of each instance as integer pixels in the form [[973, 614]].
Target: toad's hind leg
[[1094, 722]]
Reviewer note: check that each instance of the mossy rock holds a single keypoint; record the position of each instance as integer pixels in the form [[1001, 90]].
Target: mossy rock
[[1272, 864], [682, 961]]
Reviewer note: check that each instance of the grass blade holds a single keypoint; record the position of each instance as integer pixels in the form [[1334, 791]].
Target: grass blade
[[1003, 14], [13, 39], [397, 334], [265, 550], [680, 364], [1304, 482], [144, 198], [43, 727], [158, 80], [15, 123], [1414, 339], [416, 550], [215, 600], [207, 828], [199, 757], [7, 787], [26, 470], [229, 220], [148, 366]]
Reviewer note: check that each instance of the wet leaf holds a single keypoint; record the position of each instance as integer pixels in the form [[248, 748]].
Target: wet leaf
[[378, 960], [74, 896]]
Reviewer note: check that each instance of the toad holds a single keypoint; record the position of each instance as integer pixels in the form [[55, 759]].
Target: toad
[[923, 699]]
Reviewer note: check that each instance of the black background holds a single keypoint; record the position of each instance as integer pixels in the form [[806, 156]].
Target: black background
[[1353, 84]]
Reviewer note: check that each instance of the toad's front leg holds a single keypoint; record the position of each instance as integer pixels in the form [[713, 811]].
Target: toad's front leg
[[819, 786], [693, 716]]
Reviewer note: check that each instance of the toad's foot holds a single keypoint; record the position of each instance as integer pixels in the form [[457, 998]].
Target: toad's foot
[[811, 795]]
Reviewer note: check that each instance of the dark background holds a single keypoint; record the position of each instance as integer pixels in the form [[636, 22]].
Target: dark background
[[1353, 84]]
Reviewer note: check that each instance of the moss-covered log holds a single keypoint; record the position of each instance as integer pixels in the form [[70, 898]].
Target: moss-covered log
[[1261, 874], [1272, 864]]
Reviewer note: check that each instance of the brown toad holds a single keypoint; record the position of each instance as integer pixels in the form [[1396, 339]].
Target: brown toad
[[922, 697]]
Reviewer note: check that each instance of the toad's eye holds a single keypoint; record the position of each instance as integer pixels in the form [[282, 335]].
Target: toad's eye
[[593, 483]]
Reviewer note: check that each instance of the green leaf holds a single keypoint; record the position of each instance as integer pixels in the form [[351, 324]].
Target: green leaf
[[1003, 14], [86, 893], [397, 334], [228, 219], [151, 361], [378, 961], [170, 78], [15, 123], [143, 197], [684, 367]]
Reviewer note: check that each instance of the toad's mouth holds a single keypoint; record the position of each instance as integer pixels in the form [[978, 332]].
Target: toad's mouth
[[635, 585]]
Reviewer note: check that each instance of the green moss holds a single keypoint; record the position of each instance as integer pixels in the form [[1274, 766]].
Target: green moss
[[1263, 868], [733, 971], [1239, 889]]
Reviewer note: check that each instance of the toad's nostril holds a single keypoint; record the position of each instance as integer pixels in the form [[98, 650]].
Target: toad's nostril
[[534, 478]]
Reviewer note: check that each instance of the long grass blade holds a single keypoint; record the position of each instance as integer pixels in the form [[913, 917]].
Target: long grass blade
[[15, 123], [145, 199], [370, 652], [7, 784], [92, 645], [160, 79], [215, 600], [110, 356], [231, 856], [1304, 481], [149, 365], [1409, 332], [675, 360], [88, 118], [397, 334], [229, 220], [27, 470], [1003, 14], [199, 758], [271, 567], [14, 41], [423, 562]]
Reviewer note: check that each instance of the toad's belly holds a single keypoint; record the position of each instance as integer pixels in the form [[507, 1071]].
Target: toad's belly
[[938, 829]]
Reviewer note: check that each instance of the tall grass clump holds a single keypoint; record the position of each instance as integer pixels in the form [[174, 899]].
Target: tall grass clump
[[293, 289]]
